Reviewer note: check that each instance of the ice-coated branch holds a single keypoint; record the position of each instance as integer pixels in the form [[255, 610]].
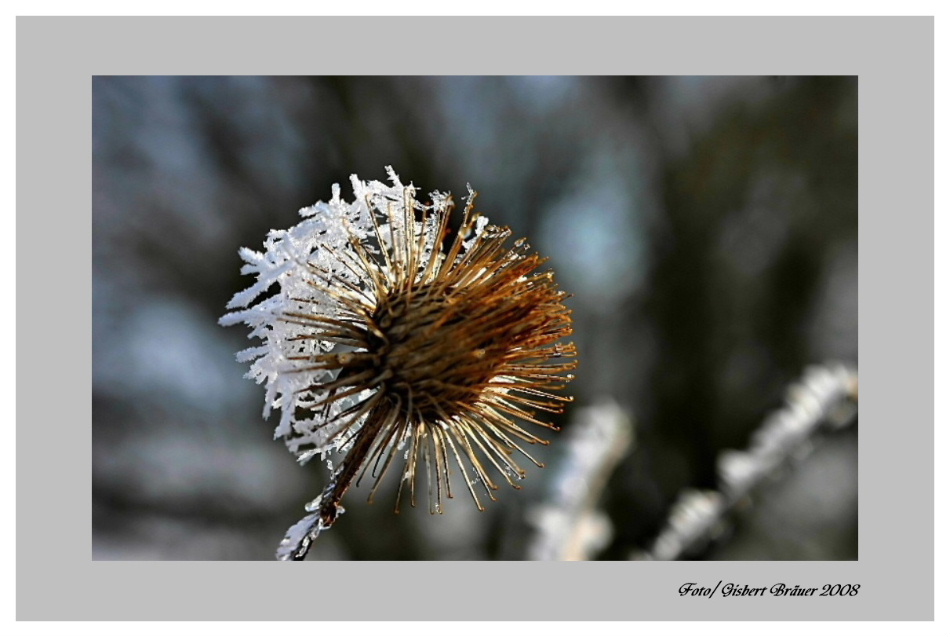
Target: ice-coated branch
[[825, 399], [567, 525]]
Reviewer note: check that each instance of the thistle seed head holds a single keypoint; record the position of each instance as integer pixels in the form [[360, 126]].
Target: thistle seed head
[[386, 341]]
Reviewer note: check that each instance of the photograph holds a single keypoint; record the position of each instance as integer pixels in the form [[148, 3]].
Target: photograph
[[475, 318]]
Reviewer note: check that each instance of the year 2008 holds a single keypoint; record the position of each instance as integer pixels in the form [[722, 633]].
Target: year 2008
[[843, 590]]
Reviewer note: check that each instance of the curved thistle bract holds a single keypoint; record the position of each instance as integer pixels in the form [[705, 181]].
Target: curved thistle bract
[[387, 342]]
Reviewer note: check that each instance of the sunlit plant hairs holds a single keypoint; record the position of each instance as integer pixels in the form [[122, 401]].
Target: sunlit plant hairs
[[389, 343]]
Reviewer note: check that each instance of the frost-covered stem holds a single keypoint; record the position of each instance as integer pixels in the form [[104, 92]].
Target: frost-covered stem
[[567, 524], [327, 507], [824, 399]]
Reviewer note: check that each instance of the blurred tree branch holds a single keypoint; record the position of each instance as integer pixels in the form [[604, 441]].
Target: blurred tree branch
[[825, 399], [567, 524]]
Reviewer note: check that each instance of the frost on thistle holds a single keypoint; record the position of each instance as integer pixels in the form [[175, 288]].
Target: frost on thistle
[[384, 341]]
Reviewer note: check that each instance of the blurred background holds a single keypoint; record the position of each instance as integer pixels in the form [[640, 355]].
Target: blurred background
[[706, 227]]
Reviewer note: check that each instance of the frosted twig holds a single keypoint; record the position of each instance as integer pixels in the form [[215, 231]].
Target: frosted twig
[[824, 399], [567, 525]]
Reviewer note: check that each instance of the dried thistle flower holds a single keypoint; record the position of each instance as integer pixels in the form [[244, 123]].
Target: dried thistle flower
[[384, 341]]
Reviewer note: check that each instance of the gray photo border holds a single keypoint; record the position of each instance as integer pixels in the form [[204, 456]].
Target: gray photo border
[[56, 57]]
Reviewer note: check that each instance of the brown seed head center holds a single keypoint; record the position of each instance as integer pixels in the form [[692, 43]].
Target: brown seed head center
[[438, 358]]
